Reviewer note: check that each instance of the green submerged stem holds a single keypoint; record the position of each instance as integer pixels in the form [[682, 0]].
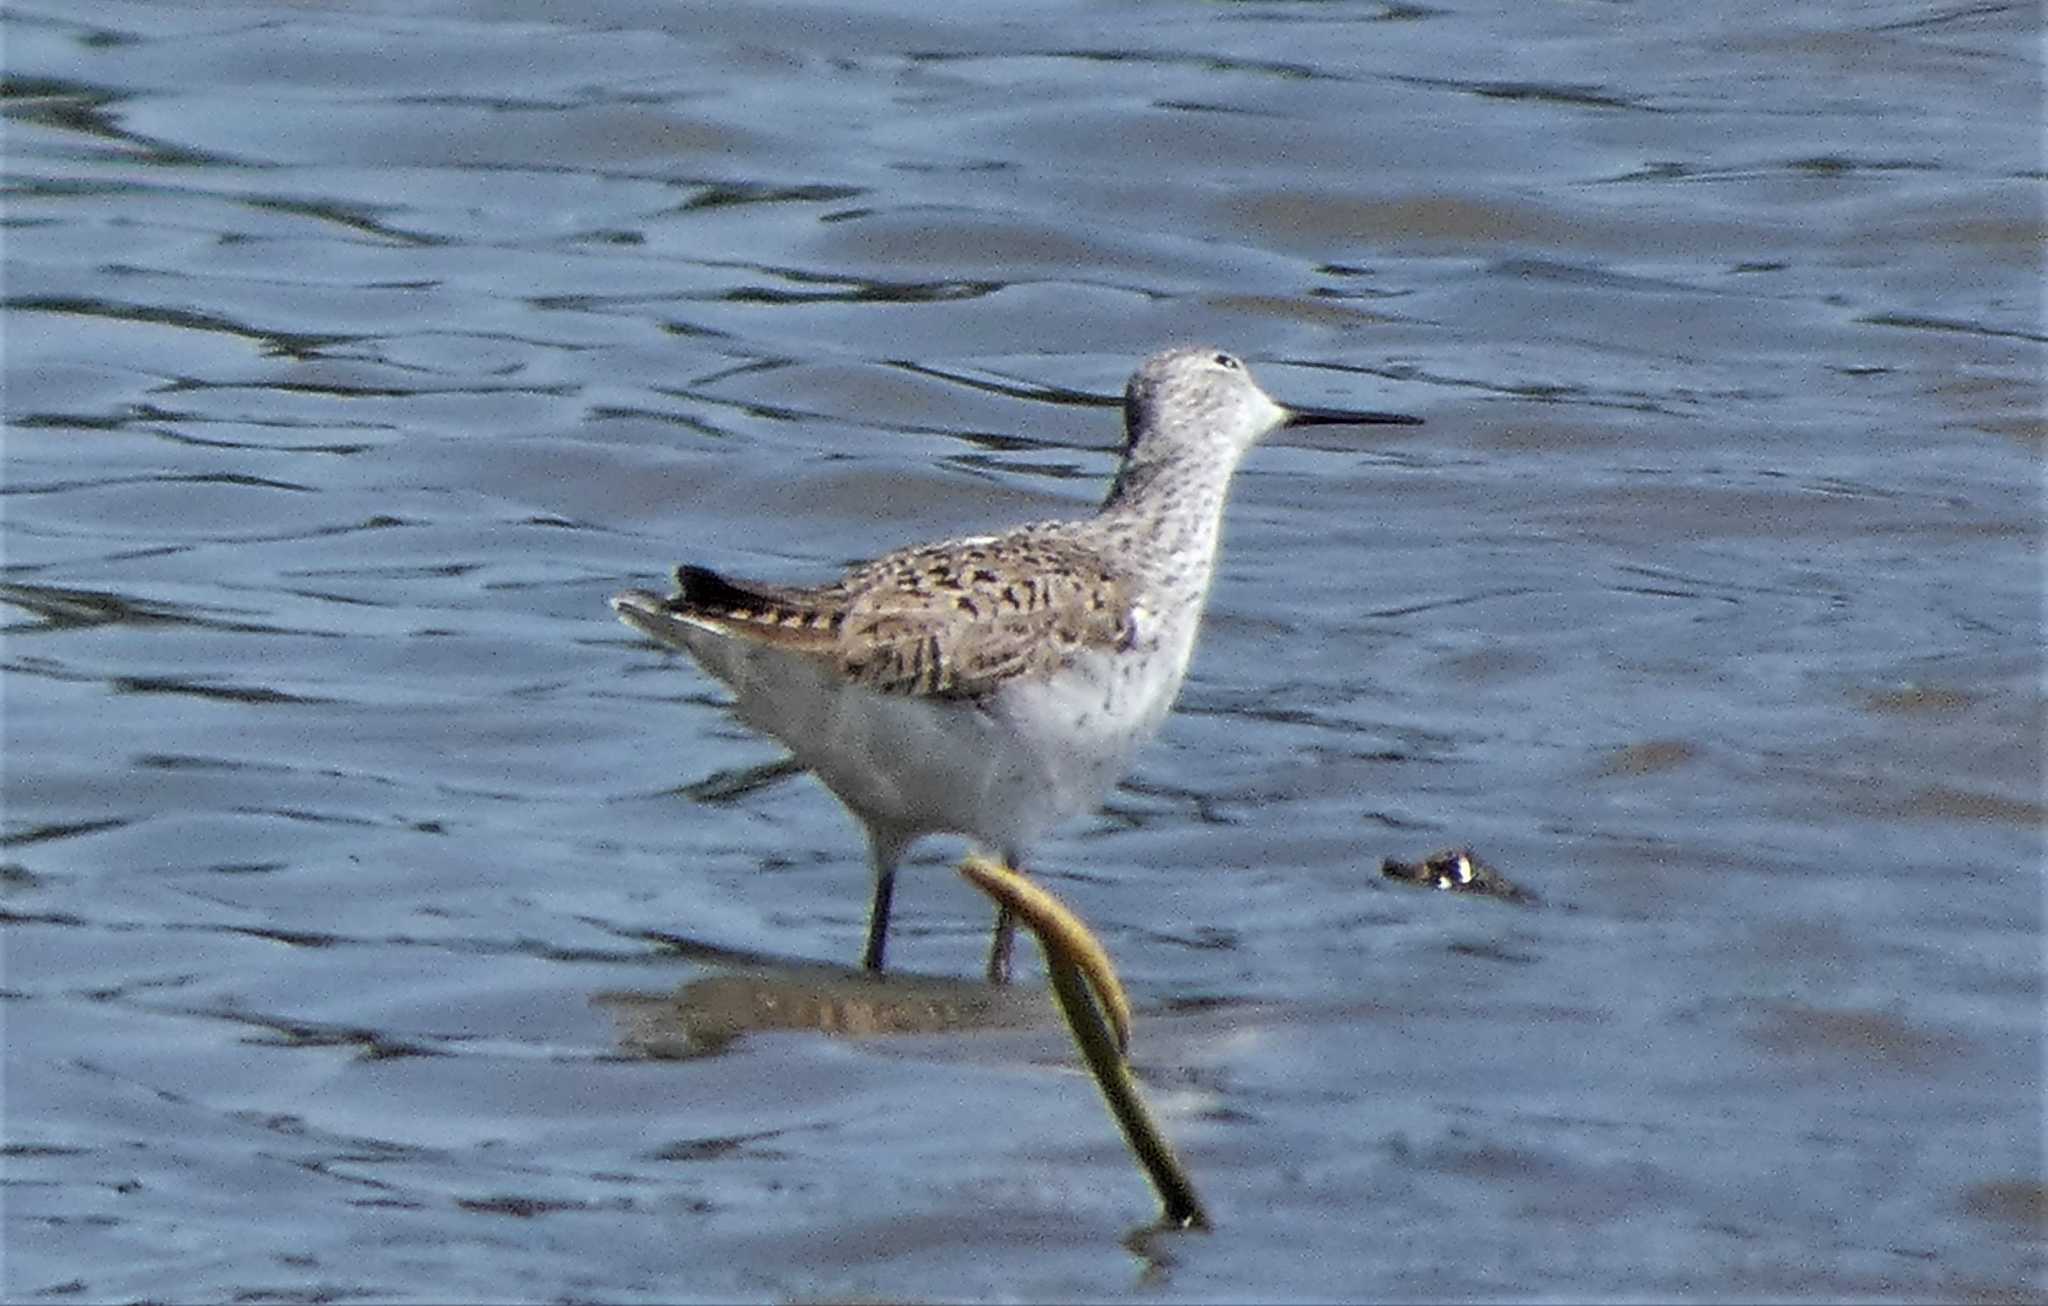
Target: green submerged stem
[[1098, 1012]]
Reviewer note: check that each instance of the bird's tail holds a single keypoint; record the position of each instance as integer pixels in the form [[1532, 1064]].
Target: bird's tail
[[705, 601]]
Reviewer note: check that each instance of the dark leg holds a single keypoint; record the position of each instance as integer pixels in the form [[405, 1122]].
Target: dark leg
[[1000, 944], [878, 918], [885, 849], [1004, 940]]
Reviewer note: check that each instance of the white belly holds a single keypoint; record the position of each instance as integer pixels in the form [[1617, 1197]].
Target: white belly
[[1002, 770]]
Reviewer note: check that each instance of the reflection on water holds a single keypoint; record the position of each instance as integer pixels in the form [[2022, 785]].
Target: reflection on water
[[355, 355], [703, 1016]]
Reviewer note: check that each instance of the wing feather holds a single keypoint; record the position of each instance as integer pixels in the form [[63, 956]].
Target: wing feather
[[958, 619]]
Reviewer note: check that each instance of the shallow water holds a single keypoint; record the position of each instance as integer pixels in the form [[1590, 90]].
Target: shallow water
[[384, 920]]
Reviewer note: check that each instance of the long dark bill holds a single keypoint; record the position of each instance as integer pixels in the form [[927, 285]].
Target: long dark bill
[[1347, 417]]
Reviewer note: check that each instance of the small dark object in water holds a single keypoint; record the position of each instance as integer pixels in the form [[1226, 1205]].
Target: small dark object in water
[[1456, 870]]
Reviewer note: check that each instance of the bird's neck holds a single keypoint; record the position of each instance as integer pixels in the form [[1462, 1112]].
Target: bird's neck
[[1169, 514]]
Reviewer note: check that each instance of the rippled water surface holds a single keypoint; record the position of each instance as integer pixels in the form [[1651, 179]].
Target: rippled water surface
[[383, 921]]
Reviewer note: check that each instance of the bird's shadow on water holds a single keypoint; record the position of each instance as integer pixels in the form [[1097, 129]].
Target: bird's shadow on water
[[751, 992]]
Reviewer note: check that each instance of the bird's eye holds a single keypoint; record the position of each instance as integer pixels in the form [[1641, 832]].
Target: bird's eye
[[1226, 362]]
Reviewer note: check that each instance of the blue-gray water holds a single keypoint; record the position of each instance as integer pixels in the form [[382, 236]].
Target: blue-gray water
[[383, 921]]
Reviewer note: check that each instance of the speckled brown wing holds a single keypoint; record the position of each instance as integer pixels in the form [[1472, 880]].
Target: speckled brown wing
[[958, 619]]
